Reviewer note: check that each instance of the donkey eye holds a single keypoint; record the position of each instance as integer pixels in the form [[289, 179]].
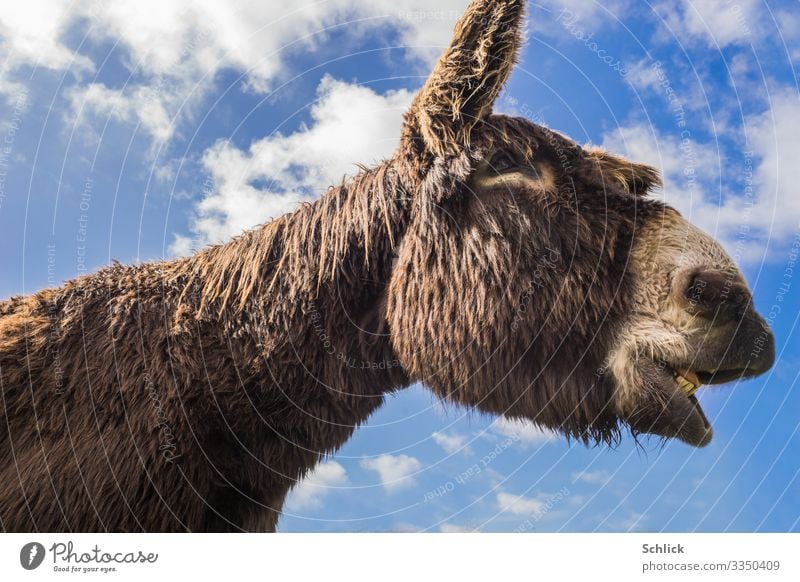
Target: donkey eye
[[503, 163]]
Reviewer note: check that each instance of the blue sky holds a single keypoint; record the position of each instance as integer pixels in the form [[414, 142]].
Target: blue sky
[[143, 130]]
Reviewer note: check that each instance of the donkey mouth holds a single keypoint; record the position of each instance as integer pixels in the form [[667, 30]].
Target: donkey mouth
[[677, 413], [683, 417], [696, 430]]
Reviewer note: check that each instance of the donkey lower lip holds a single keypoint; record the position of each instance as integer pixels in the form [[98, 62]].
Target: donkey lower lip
[[705, 438], [690, 382], [693, 436]]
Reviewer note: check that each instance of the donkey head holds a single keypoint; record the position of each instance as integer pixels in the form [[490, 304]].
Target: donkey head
[[537, 280]]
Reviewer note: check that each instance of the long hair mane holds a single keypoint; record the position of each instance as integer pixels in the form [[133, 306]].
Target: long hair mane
[[343, 233]]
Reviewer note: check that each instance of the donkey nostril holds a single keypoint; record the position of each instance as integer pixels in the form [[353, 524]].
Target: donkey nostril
[[705, 289], [714, 294]]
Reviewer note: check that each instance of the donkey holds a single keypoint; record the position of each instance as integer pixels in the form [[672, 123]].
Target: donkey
[[499, 263]]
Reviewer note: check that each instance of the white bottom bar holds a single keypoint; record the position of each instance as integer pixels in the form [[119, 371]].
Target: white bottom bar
[[369, 557]]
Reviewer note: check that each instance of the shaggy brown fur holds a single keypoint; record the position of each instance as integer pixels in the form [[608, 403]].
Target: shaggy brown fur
[[193, 394]]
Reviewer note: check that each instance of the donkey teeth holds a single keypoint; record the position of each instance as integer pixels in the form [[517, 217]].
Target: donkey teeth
[[688, 387], [688, 381]]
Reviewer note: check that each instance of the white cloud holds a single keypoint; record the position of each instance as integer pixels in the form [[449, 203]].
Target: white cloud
[[577, 500], [789, 28], [350, 124], [174, 59], [308, 494], [452, 443], [772, 136], [691, 171], [519, 505], [425, 27], [592, 477], [142, 105], [205, 36], [174, 50], [394, 471], [526, 432], [688, 168], [764, 205], [713, 22], [30, 34], [643, 76]]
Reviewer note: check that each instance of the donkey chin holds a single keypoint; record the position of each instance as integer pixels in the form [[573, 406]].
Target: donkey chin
[[703, 331]]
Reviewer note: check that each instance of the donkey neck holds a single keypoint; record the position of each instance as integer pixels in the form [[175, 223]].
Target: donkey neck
[[345, 238], [302, 297]]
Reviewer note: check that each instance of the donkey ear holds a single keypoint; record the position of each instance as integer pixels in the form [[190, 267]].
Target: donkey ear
[[638, 179], [468, 78]]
